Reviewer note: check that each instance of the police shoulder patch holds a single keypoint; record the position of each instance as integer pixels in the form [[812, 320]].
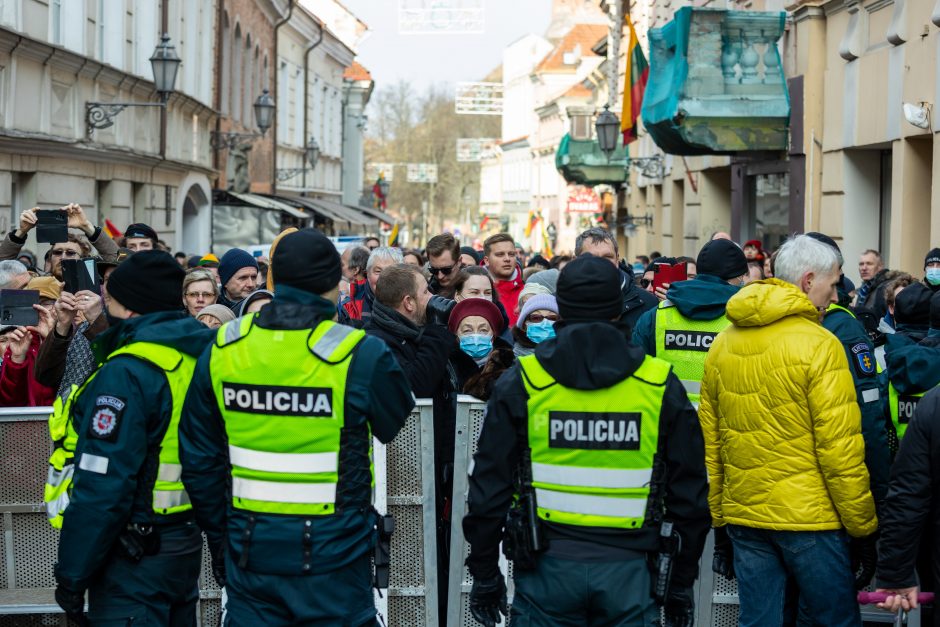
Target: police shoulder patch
[[106, 419], [863, 360]]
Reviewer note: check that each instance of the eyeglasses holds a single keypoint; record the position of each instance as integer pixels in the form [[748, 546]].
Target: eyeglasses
[[68, 253], [645, 283], [537, 318], [444, 271], [200, 295]]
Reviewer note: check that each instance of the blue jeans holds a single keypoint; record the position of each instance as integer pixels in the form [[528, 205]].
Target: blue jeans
[[817, 561]]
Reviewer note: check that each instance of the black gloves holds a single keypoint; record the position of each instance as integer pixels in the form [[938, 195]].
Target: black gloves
[[73, 604], [218, 566], [723, 560], [864, 554], [679, 609], [488, 600], [438, 310]]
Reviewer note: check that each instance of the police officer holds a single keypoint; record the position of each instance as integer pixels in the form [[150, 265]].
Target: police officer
[[275, 443], [913, 370], [841, 322], [128, 534], [598, 427], [682, 328]]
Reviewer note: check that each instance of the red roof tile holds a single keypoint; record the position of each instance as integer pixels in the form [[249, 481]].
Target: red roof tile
[[356, 72], [584, 34]]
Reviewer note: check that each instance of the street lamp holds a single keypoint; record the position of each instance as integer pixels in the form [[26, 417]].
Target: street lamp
[[607, 127], [165, 63], [313, 152], [264, 111], [264, 114]]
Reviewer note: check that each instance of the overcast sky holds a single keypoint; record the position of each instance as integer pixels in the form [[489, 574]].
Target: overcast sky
[[425, 59]]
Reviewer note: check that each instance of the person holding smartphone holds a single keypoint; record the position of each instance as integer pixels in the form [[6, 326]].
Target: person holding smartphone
[[13, 243]]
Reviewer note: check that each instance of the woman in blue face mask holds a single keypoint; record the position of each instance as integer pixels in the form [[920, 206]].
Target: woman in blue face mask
[[482, 356], [536, 323]]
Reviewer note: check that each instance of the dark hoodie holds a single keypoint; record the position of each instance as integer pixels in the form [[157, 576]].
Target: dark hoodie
[[703, 298], [912, 368], [635, 299], [103, 504], [589, 356]]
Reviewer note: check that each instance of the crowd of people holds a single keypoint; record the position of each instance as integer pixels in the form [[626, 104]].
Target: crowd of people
[[772, 400]]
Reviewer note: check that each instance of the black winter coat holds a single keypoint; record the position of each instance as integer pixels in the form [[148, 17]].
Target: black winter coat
[[910, 526]]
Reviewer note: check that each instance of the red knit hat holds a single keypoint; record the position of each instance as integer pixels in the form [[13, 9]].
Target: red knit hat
[[756, 243], [476, 307]]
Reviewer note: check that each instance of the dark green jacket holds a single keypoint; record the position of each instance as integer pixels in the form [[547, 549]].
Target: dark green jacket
[[703, 298], [103, 504], [378, 399], [871, 394]]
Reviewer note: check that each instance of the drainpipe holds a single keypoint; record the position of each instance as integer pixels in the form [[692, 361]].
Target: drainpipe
[[306, 137], [277, 27]]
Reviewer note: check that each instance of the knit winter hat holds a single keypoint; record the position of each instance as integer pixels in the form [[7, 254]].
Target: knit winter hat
[[548, 278], [912, 305], [932, 257], [140, 229], [476, 307], [721, 258], [473, 252], [534, 289], [589, 290], [233, 261], [307, 260], [222, 313], [147, 282], [534, 304]]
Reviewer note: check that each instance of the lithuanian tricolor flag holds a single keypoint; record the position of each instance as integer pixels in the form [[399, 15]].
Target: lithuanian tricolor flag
[[635, 76]]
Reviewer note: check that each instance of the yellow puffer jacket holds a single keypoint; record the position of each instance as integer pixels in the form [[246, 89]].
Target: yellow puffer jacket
[[782, 428]]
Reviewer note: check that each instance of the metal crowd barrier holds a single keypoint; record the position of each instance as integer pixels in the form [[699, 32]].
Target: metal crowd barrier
[[404, 487]]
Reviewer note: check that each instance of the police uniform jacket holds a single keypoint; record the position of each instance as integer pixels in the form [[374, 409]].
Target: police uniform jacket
[[870, 392], [113, 486], [377, 399], [702, 298], [589, 356]]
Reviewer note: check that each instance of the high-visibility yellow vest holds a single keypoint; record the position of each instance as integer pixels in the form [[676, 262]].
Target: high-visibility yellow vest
[[684, 343], [593, 450], [169, 496], [282, 396], [902, 408]]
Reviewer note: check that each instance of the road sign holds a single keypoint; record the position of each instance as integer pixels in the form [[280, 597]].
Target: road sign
[[438, 17], [422, 173], [373, 170], [479, 98], [473, 149]]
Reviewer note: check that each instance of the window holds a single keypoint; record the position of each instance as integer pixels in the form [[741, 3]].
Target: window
[[299, 112], [282, 87], [248, 81], [111, 32], [10, 13], [224, 97], [884, 205], [145, 36], [63, 15], [237, 53]]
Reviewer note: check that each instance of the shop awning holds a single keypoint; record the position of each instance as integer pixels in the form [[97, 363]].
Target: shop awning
[[381, 215], [344, 213], [265, 202]]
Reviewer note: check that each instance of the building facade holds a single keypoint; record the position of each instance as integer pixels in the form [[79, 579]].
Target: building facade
[[147, 166]]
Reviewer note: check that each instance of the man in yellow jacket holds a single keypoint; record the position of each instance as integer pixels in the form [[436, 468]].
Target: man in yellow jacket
[[783, 444]]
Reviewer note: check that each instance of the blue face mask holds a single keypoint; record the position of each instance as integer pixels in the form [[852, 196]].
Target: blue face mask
[[933, 276], [540, 331], [476, 345]]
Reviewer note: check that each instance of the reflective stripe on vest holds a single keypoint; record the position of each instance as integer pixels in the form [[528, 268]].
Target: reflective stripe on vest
[[282, 395], [684, 343], [169, 496], [592, 450], [902, 408]]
